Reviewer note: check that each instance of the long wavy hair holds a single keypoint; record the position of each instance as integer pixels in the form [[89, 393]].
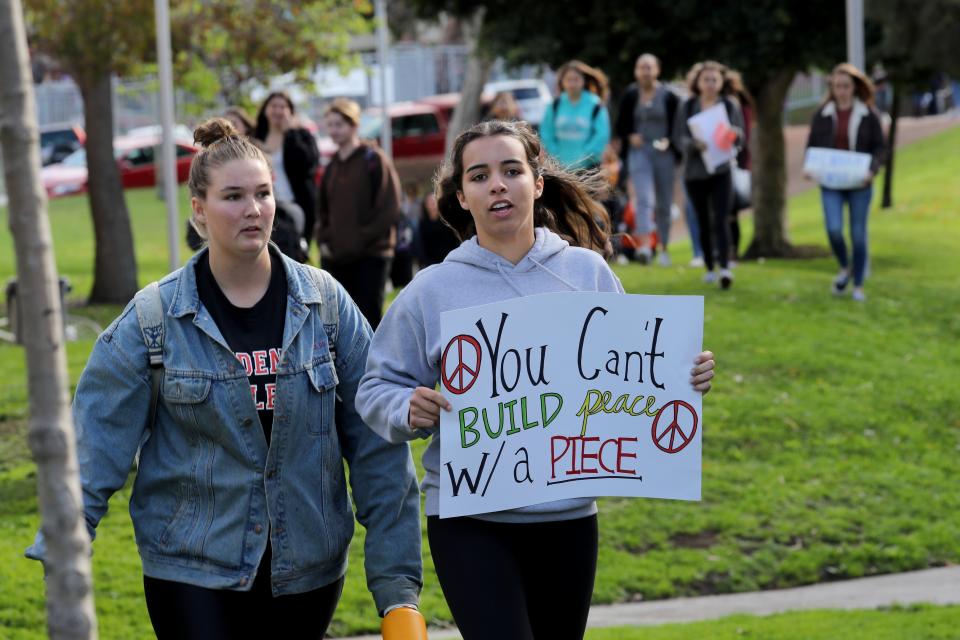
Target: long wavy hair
[[568, 206], [862, 85]]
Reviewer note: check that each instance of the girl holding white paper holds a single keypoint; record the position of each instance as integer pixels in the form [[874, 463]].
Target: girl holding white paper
[[529, 227], [848, 121], [710, 187]]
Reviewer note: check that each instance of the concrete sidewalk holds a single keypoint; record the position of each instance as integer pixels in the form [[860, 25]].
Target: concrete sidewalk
[[933, 586]]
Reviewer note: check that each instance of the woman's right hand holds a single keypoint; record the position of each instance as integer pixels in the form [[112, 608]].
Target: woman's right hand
[[699, 145], [425, 406], [636, 140]]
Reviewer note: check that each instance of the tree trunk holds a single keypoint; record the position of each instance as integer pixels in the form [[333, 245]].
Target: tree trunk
[[769, 179], [115, 264], [70, 611], [467, 111], [887, 201]]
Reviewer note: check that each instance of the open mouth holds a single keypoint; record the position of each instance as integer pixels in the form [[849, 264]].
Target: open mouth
[[501, 208]]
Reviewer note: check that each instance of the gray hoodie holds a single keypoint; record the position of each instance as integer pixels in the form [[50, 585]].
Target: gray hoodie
[[406, 348]]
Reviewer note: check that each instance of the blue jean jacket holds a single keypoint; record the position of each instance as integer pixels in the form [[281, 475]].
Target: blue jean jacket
[[208, 490]]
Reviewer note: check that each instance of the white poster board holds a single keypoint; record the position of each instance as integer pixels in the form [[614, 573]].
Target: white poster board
[[837, 169], [567, 395], [704, 127]]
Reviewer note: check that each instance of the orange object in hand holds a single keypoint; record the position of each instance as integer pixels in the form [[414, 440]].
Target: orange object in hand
[[404, 623], [724, 137]]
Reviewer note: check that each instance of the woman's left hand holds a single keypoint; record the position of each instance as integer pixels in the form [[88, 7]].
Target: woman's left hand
[[702, 372], [868, 179]]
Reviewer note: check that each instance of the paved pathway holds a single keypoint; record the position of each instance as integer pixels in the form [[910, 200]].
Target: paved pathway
[[934, 586]]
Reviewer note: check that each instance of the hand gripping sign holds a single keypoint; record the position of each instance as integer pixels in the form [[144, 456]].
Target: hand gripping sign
[[567, 395]]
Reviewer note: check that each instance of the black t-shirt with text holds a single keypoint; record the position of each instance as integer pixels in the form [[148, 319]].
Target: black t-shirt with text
[[254, 334]]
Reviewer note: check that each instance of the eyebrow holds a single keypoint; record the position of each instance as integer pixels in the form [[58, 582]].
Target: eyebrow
[[484, 166], [236, 188]]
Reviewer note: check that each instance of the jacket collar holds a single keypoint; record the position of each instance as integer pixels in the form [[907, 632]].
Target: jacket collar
[[186, 299], [859, 109]]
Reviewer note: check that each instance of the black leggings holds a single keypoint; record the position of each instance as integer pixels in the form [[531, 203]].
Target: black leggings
[[711, 200], [365, 280], [516, 581], [181, 611]]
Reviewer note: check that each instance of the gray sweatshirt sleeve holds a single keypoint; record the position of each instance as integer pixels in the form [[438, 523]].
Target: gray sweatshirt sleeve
[[396, 364]]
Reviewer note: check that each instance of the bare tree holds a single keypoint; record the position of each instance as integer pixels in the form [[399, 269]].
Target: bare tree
[[70, 612], [479, 64]]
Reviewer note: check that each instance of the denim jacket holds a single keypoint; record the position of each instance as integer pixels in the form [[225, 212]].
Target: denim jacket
[[209, 490]]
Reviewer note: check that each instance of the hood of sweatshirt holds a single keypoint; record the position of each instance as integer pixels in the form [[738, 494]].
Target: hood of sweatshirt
[[546, 246]]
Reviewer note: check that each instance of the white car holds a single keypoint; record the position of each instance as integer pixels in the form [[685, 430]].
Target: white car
[[532, 95]]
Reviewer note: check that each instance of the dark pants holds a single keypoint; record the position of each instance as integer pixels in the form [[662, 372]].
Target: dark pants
[[365, 280], [401, 269], [181, 611], [711, 200], [516, 581]]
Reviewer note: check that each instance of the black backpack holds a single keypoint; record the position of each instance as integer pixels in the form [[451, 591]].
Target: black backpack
[[287, 232]]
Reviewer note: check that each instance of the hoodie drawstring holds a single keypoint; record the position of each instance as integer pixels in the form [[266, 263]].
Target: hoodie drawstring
[[508, 280], [555, 275]]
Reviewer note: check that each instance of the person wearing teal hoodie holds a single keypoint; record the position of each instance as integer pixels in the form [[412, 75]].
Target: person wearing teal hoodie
[[576, 127], [529, 227]]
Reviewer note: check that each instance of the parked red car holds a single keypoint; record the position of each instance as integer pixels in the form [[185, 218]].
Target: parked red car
[[135, 159]]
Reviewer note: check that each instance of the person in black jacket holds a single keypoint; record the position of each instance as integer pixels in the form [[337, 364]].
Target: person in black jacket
[[644, 129], [294, 154], [848, 121]]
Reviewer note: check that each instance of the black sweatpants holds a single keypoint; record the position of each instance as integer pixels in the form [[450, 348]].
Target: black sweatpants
[[365, 280], [516, 581], [712, 201], [182, 611]]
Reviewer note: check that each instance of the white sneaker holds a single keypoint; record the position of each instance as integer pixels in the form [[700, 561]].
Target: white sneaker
[[643, 255], [663, 259], [859, 295], [696, 262], [710, 277], [726, 278], [622, 259]]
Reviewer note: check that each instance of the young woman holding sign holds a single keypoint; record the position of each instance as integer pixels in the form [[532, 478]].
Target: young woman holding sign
[[529, 227], [242, 418], [848, 121]]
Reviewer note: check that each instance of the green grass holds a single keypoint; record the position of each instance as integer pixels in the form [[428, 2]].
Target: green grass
[[831, 441], [913, 623]]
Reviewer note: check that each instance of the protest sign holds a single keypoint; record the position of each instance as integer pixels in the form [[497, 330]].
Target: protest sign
[[712, 126], [566, 395], [837, 169]]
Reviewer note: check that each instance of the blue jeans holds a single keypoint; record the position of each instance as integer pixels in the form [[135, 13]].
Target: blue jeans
[[858, 200]]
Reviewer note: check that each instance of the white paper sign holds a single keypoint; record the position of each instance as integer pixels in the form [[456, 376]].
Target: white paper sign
[[704, 126], [566, 395], [837, 169]]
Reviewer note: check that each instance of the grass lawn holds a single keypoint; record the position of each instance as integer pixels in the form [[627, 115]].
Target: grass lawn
[[831, 441], [913, 623]]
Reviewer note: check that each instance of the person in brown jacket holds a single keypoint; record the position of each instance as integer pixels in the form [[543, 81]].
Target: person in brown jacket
[[357, 211]]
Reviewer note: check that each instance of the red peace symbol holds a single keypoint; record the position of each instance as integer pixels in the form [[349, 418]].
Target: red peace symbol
[[677, 438], [473, 372]]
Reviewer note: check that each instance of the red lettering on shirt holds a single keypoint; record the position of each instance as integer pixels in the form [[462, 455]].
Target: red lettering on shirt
[[244, 359], [260, 363], [271, 395], [253, 392], [274, 360]]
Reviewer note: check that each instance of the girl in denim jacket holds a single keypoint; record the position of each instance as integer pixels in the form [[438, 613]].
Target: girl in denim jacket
[[240, 505]]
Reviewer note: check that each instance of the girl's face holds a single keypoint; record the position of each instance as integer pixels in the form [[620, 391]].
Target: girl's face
[[499, 189], [709, 83], [646, 71], [237, 123], [842, 87], [238, 209], [278, 112], [572, 82]]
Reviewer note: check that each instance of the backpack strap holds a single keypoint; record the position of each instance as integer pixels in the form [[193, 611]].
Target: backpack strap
[[150, 316], [329, 313]]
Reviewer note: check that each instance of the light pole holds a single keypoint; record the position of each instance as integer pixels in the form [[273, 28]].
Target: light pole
[[386, 141], [169, 172], [855, 51]]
